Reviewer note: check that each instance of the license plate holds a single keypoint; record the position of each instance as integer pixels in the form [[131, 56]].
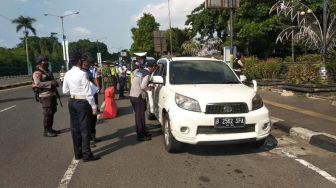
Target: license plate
[[229, 122]]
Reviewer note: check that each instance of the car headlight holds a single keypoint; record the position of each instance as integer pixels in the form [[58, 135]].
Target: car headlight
[[257, 102], [187, 103]]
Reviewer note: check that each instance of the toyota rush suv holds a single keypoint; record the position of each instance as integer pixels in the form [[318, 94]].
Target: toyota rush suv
[[202, 101]]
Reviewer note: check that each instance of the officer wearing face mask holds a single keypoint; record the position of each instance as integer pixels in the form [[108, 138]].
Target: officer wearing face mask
[[46, 86]]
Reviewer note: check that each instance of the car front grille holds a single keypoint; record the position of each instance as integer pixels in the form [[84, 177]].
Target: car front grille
[[213, 130], [226, 108]]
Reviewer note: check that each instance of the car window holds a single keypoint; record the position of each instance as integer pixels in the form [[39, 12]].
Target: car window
[[201, 72], [158, 71]]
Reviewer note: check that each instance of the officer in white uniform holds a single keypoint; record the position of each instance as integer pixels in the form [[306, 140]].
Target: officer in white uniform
[[81, 107], [138, 98]]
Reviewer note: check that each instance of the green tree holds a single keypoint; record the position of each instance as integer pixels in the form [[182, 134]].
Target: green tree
[[178, 38], [143, 39], [25, 23], [256, 30], [89, 48], [207, 23]]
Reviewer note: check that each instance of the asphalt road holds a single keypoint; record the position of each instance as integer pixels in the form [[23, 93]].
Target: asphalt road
[[28, 159]]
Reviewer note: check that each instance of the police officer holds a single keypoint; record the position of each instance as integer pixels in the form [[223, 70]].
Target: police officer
[[238, 65], [46, 87], [93, 77], [122, 78], [138, 99], [81, 107]]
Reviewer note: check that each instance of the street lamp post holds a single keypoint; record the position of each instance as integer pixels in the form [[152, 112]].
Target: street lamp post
[[65, 55], [170, 30], [232, 5], [325, 4]]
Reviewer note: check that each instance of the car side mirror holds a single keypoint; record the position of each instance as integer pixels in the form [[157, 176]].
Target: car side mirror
[[157, 80], [255, 86], [243, 78]]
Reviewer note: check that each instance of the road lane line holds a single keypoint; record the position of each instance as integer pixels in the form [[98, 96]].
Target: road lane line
[[323, 173], [68, 174], [302, 111], [8, 108]]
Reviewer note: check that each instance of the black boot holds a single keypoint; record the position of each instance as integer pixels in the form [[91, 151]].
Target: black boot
[[55, 131], [94, 139], [48, 133]]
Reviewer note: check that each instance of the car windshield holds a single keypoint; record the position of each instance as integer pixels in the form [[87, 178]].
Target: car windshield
[[201, 72]]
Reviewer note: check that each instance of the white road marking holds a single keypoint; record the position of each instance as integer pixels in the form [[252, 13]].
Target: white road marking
[[323, 173], [68, 174], [8, 108], [275, 119]]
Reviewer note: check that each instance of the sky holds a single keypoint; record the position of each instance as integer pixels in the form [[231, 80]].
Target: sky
[[108, 21]]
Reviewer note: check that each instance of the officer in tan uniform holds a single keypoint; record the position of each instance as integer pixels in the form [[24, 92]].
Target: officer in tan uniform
[[46, 86]]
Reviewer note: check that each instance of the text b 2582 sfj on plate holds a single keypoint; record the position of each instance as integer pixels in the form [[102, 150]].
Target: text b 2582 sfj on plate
[[229, 122]]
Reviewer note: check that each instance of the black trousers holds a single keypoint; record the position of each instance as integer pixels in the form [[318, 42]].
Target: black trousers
[[80, 121], [122, 82], [139, 106], [49, 106], [94, 119]]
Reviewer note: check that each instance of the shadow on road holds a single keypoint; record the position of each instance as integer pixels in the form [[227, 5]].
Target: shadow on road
[[65, 130], [126, 136], [232, 149], [125, 110], [17, 99]]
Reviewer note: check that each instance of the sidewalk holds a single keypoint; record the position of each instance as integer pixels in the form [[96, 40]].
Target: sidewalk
[[310, 119]]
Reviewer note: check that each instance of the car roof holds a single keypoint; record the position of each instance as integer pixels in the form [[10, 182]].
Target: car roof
[[193, 58], [148, 58]]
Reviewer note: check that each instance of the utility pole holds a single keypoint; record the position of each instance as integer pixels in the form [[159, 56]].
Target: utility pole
[[170, 30], [325, 16], [65, 48]]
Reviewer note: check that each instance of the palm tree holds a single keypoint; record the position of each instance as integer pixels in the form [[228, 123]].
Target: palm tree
[[26, 24]]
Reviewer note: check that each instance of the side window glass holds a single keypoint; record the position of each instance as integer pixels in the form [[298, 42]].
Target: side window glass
[[158, 70]]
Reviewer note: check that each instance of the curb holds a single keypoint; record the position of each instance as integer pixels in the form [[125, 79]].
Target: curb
[[15, 85], [318, 139]]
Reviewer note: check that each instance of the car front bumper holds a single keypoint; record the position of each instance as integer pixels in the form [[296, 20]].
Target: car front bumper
[[200, 127]]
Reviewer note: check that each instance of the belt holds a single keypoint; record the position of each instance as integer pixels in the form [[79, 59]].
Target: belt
[[78, 97]]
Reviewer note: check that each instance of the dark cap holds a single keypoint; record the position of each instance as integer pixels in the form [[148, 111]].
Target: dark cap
[[42, 58]]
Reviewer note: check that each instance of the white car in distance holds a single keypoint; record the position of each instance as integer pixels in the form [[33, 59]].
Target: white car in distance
[[202, 101]]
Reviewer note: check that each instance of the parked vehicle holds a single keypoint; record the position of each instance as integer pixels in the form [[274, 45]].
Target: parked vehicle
[[202, 101]]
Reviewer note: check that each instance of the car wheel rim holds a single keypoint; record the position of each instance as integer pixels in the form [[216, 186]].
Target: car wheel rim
[[166, 133]]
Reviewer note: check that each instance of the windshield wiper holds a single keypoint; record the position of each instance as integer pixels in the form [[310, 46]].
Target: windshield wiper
[[231, 82]]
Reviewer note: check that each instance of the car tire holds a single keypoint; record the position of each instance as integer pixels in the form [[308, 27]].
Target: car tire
[[149, 115], [259, 143], [171, 144]]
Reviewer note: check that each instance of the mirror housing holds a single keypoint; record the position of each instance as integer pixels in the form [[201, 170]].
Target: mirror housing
[[255, 86], [242, 78], [157, 80]]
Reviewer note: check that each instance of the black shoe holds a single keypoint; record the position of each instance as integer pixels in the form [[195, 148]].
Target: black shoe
[[92, 144], [148, 134], [79, 157], [145, 138], [55, 131], [92, 158], [94, 139], [49, 134]]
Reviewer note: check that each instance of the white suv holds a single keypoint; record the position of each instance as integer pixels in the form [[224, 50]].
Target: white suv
[[201, 100]]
